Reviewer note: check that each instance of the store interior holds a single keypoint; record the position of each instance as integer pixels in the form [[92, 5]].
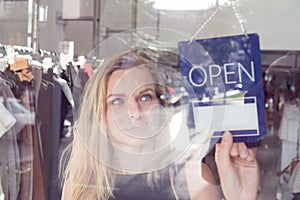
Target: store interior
[[50, 49]]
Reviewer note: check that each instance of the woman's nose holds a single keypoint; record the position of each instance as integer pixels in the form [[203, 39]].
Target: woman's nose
[[134, 110]]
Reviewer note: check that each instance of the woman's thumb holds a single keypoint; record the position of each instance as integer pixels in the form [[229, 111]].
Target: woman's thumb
[[222, 154]]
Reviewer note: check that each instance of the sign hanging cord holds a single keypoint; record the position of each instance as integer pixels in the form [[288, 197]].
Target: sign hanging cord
[[205, 23], [239, 18], [236, 14]]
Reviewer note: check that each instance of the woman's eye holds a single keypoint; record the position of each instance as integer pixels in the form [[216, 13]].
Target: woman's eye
[[117, 101], [146, 97]]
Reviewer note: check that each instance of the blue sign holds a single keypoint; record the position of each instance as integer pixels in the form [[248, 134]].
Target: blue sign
[[223, 77]]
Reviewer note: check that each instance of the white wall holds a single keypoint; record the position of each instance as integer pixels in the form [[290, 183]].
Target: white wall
[[52, 31], [275, 21]]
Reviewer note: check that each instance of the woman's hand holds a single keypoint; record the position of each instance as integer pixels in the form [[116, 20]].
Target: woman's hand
[[238, 169]]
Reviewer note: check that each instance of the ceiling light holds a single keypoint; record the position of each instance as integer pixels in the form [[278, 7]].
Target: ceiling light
[[183, 5]]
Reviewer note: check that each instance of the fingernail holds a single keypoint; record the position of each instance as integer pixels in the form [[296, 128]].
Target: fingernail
[[244, 154], [250, 158], [226, 135]]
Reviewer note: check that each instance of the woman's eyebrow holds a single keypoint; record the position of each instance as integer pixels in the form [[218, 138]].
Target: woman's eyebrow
[[115, 95], [124, 95], [146, 90]]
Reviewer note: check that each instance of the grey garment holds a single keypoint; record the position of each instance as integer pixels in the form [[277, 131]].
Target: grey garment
[[7, 120], [37, 72], [76, 86], [290, 123], [2, 195], [294, 182], [79, 79], [22, 114], [66, 90], [17, 157], [13, 158], [10, 154], [83, 76], [26, 163]]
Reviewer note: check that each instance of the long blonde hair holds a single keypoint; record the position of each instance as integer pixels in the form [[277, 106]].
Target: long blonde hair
[[86, 175]]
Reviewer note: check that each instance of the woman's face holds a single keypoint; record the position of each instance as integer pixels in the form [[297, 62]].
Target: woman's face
[[134, 116]]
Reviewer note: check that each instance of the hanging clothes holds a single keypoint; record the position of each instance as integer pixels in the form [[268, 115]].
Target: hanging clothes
[[290, 123], [18, 145], [10, 153], [288, 132], [33, 106], [49, 120]]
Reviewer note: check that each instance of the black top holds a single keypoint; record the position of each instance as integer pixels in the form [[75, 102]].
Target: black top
[[133, 187]]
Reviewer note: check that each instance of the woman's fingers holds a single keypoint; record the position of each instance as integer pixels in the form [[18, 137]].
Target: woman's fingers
[[234, 151], [241, 150], [251, 156], [227, 149]]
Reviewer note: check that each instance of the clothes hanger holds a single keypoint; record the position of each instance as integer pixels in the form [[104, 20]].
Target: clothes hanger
[[45, 84]]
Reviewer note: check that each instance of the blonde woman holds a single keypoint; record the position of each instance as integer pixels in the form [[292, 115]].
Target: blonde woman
[[122, 147]]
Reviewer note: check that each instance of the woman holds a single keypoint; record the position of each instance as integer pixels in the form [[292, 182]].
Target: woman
[[122, 147]]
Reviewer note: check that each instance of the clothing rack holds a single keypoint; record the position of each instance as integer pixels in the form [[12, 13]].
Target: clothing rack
[[53, 90]]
